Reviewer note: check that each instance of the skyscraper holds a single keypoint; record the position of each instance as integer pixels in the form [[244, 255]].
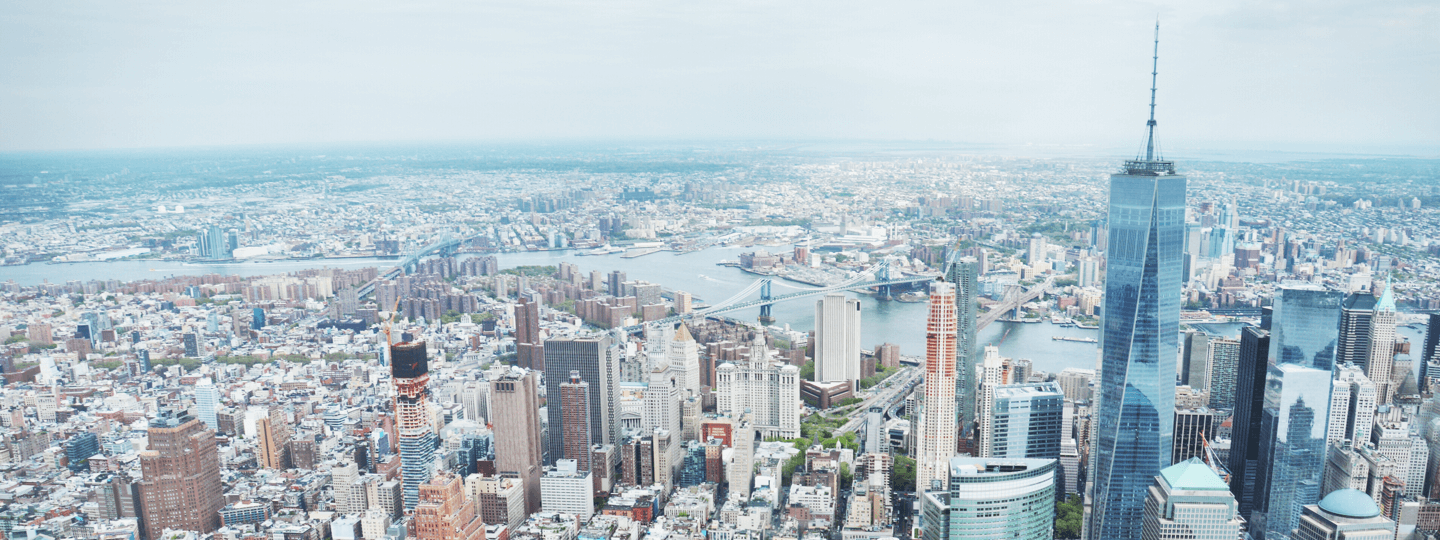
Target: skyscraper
[[1193, 427], [837, 339], [1427, 355], [592, 358], [1352, 406], [1188, 500], [964, 274], [982, 499], [1249, 402], [684, 358], [515, 399], [1305, 325], [530, 352], [768, 389], [410, 373], [1134, 413], [1356, 313], [575, 410], [936, 436], [180, 486], [1026, 420], [1382, 346], [445, 513], [207, 401], [1293, 428], [79, 449], [1224, 360]]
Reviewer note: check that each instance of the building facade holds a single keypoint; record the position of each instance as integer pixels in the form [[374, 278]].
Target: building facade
[[935, 440], [519, 449], [837, 338], [992, 499], [181, 487], [1189, 501], [410, 373]]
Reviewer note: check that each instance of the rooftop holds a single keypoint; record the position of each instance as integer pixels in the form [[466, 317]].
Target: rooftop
[[1193, 475]]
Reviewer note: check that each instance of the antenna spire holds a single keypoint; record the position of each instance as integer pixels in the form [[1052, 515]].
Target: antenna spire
[[1154, 70]]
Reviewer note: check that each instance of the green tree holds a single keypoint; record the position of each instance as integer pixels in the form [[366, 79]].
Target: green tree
[[807, 371], [903, 475], [1068, 515]]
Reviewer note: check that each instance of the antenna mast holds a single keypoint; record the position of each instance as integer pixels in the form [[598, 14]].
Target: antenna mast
[[1154, 70]]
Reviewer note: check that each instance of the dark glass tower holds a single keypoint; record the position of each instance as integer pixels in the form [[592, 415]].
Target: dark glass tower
[[1249, 401], [964, 272], [1135, 412]]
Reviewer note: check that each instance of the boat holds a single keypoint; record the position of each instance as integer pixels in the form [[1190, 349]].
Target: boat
[[1075, 339], [606, 249]]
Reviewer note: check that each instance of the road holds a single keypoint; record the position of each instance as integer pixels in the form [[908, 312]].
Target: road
[[884, 393]]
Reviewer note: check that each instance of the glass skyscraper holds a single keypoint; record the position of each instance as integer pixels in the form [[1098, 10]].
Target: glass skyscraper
[[1306, 326], [1135, 411], [964, 273]]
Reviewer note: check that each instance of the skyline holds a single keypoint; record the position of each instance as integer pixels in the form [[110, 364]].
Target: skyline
[[1265, 76]]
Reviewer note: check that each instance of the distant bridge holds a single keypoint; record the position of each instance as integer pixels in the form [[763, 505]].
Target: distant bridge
[[1014, 298], [880, 275], [445, 246]]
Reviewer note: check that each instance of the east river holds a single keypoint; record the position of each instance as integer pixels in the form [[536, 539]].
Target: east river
[[695, 272]]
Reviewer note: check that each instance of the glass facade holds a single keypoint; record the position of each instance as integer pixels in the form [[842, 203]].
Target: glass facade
[[964, 273], [1249, 402], [1306, 326], [1292, 447], [1009, 499], [1135, 409]]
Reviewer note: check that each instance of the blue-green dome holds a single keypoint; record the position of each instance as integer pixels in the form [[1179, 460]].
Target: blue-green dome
[[1350, 503]]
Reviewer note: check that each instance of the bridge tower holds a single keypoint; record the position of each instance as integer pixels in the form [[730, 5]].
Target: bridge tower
[[1012, 298], [765, 316]]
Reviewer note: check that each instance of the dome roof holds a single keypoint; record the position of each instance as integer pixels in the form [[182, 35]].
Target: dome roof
[[1350, 503]]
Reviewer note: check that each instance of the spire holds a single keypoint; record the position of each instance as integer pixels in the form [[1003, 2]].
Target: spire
[[1154, 72], [1152, 165], [1387, 299]]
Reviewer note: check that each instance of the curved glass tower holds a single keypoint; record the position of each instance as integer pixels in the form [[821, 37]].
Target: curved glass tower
[[1135, 409]]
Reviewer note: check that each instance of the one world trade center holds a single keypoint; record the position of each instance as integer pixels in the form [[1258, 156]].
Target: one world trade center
[[1134, 416]]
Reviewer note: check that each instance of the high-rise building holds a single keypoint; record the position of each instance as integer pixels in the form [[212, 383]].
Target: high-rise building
[[1305, 325], [964, 274], [575, 427], [837, 339], [1224, 361], [274, 439], [1346, 514], [1357, 311], [985, 499], [79, 448], [501, 500], [768, 388], [180, 486], [519, 451], [1292, 435], [741, 469], [207, 402], [1245, 428], [1193, 427], [992, 374], [1382, 346], [1189, 501], [410, 373], [530, 351], [662, 414], [935, 442], [598, 365], [445, 513], [1134, 413], [1352, 406], [1026, 421], [1195, 368], [1427, 355], [566, 489], [683, 356]]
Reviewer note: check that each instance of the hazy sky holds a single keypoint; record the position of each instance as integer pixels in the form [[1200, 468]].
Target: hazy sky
[[1300, 74]]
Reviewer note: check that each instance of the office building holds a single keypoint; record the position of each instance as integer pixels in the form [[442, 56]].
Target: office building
[[1305, 326], [767, 388], [1224, 363], [1357, 311], [274, 438], [1076, 383], [683, 355], [984, 498], [935, 444], [1193, 428], [180, 486], [964, 274], [599, 366], [410, 373], [1382, 347], [1346, 514], [837, 339], [207, 402], [741, 469], [1245, 427], [78, 450], [445, 513], [529, 348], [1195, 360], [519, 451], [1292, 446], [575, 427], [1352, 406], [1189, 501], [1134, 411], [1427, 355], [1026, 421], [662, 420], [500, 500], [992, 374], [564, 488]]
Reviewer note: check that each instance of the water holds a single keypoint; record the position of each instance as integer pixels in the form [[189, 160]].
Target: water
[[696, 272]]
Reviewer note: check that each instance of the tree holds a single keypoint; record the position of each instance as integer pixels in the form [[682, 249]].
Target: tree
[[903, 475], [1068, 515], [846, 477]]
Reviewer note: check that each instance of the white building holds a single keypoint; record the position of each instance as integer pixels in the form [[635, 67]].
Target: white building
[[207, 401], [1189, 501], [564, 489], [837, 338], [769, 389], [1346, 514], [683, 355], [1352, 406]]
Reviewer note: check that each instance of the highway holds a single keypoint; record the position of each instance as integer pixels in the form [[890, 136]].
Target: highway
[[894, 388]]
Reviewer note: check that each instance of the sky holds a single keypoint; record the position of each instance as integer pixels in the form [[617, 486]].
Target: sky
[[1321, 75]]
